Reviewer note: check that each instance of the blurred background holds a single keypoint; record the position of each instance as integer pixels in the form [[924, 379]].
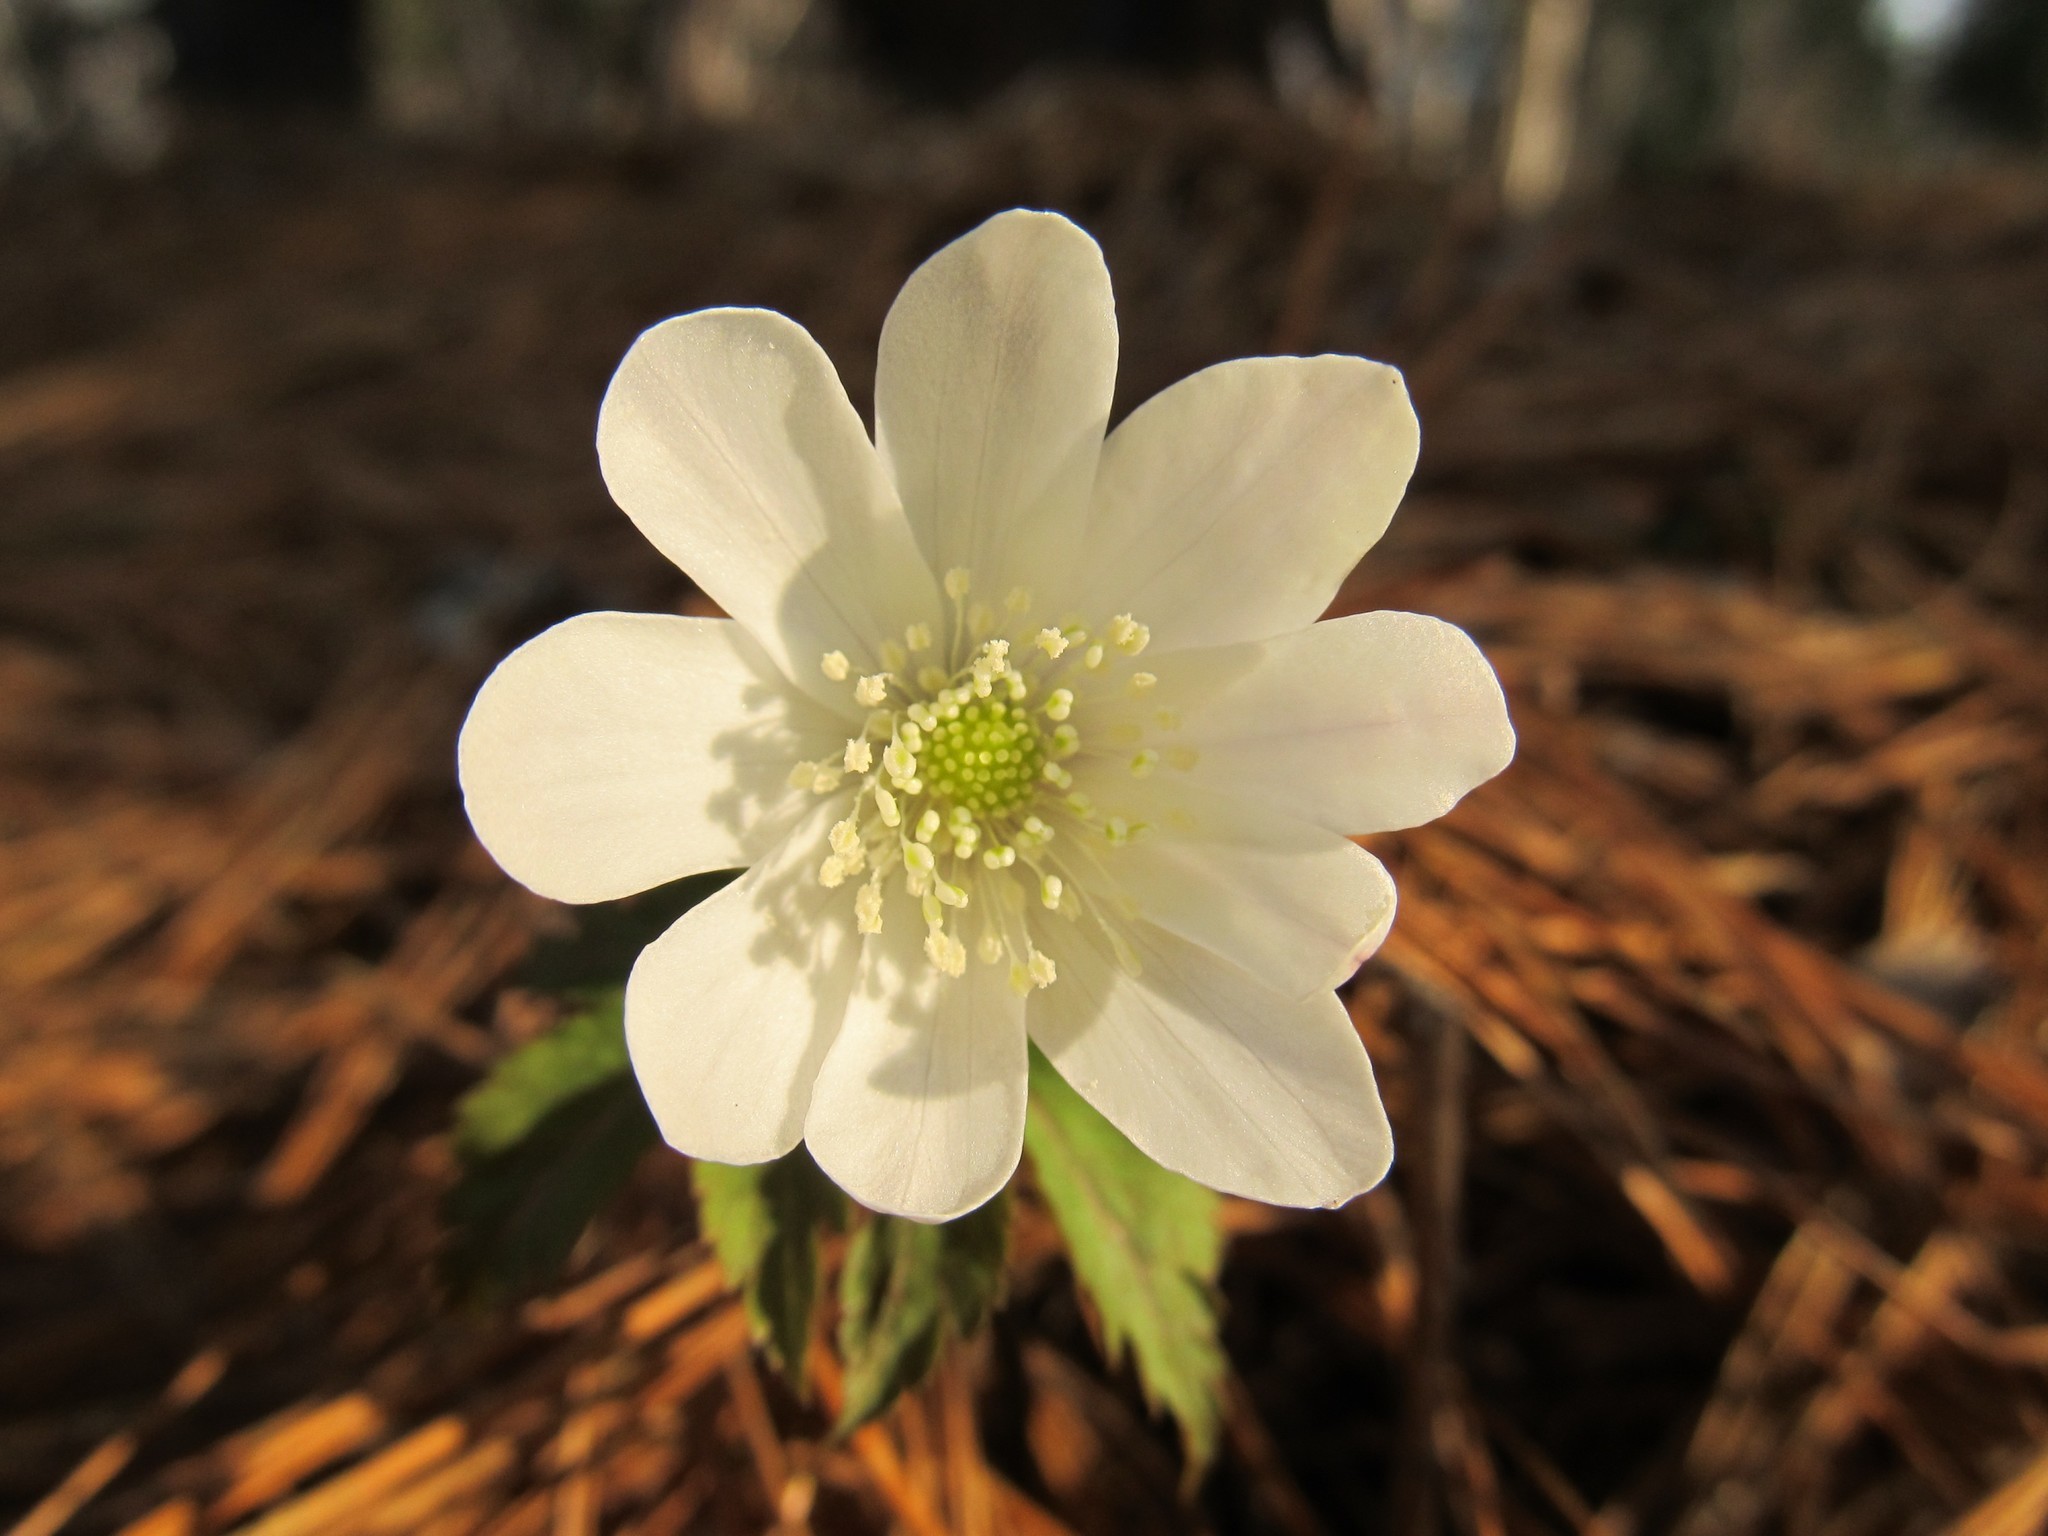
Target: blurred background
[[1712, 1031]]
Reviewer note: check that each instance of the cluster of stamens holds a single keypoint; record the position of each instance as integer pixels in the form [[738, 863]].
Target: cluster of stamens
[[953, 766]]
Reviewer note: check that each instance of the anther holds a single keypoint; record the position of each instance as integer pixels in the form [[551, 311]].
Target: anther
[[835, 665], [1141, 681], [893, 656], [1019, 599], [867, 907], [927, 825], [918, 637], [1043, 972], [959, 582], [1143, 764], [860, 757], [1092, 657], [1059, 704], [1128, 635], [886, 804], [824, 779], [1049, 891], [1051, 641], [870, 691]]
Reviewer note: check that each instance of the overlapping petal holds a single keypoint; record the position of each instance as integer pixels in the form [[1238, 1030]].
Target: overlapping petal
[[1294, 904], [730, 1012], [1363, 724], [617, 751], [1232, 505], [1213, 1075], [919, 1107], [727, 438], [992, 392]]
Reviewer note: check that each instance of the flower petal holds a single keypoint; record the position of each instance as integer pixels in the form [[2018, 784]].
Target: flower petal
[[919, 1108], [730, 1012], [1363, 724], [1212, 1074], [726, 437], [1232, 505], [1294, 904], [618, 751], [992, 392]]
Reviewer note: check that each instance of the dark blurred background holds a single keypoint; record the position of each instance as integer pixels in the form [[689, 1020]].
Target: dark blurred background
[[1599, 87]]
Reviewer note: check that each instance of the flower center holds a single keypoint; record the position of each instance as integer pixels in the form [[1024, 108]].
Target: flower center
[[987, 759], [955, 762]]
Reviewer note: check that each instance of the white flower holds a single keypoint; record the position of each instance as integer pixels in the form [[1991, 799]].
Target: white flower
[[1023, 734]]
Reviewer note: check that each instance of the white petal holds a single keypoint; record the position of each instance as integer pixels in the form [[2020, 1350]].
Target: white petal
[[728, 440], [1232, 505], [1292, 903], [730, 1012], [1363, 724], [1215, 1076], [919, 1108], [618, 751], [992, 391]]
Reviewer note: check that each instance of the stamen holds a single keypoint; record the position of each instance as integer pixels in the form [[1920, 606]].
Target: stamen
[[1128, 635], [1142, 681], [1052, 642], [859, 756], [835, 665], [893, 656], [918, 637], [867, 906], [1092, 657], [871, 691], [1049, 891], [1143, 764], [959, 582]]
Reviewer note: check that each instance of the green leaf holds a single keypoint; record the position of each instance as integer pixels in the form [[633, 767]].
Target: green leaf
[[546, 1141], [905, 1285], [585, 1049], [764, 1223], [1146, 1248]]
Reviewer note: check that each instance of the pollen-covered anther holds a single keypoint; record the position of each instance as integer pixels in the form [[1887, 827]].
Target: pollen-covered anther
[[1052, 642], [835, 665], [860, 756], [871, 690], [867, 906], [918, 637], [1142, 682], [1128, 635]]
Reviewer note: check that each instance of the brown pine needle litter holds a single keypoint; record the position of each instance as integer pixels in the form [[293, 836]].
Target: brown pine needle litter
[[1713, 1031]]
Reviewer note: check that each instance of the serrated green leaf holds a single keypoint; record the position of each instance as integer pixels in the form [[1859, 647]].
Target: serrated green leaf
[[587, 1048], [1146, 1248], [610, 935], [905, 1286], [517, 1212], [764, 1223]]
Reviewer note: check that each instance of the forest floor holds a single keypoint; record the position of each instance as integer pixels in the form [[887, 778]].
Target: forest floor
[[1712, 1031]]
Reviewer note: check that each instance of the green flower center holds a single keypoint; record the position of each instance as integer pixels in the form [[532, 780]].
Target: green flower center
[[987, 759]]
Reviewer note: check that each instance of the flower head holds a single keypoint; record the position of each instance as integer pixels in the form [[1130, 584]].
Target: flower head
[[1025, 734]]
